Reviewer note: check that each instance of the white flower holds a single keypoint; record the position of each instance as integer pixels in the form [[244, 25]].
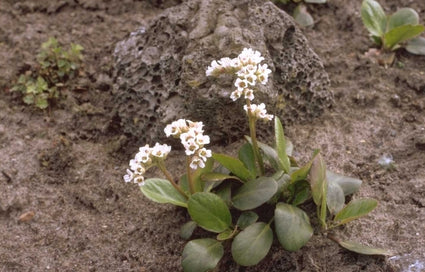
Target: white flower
[[204, 153], [249, 56], [185, 137], [139, 180], [191, 146], [202, 139], [197, 162], [214, 69], [196, 127], [241, 84], [176, 128], [249, 94], [259, 111], [263, 73], [144, 154], [161, 151], [251, 78], [129, 176], [235, 95]]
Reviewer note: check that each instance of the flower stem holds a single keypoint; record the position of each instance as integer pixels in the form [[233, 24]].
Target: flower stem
[[189, 176], [253, 134], [167, 174]]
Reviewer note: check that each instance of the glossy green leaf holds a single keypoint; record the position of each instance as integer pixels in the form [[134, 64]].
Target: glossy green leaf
[[335, 198], [225, 193], [161, 191], [225, 235], [301, 193], [302, 173], [347, 184], [292, 226], [246, 155], [246, 219], [201, 255], [401, 34], [234, 165], [196, 175], [252, 244], [281, 145], [403, 16], [302, 17], [254, 193], [217, 177], [416, 46], [187, 229], [362, 249], [209, 211], [355, 209], [269, 153], [282, 181], [208, 186], [373, 17]]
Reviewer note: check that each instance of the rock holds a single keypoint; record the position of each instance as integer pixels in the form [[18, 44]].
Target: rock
[[160, 70]]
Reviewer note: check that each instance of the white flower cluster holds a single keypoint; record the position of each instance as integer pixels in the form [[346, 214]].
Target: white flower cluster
[[144, 159], [249, 72], [259, 111], [192, 137]]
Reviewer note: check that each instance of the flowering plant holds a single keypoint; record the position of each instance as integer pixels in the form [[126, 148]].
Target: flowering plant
[[247, 200]]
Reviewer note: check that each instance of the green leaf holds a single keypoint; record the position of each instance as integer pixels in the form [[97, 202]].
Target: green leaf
[[335, 198], [225, 235], [401, 34], [225, 193], [302, 17], [197, 174], [209, 211], [374, 17], [302, 173], [187, 229], [292, 226], [28, 99], [161, 191], [246, 219], [252, 244], [404, 16], [208, 186], [269, 153], [302, 193], [254, 193], [347, 184], [289, 147], [282, 181], [318, 178], [201, 255], [416, 46], [281, 145], [234, 165], [355, 209], [377, 40], [42, 84], [41, 102], [362, 249], [246, 155], [217, 177]]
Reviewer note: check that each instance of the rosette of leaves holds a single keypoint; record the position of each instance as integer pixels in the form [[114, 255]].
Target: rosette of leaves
[[300, 14], [397, 30], [56, 66], [246, 212]]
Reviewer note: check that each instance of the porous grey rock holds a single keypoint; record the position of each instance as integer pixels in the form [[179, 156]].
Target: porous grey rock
[[160, 69]]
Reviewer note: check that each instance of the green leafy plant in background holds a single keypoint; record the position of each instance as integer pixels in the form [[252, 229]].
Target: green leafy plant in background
[[55, 67], [400, 29], [248, 200], [300, 14]]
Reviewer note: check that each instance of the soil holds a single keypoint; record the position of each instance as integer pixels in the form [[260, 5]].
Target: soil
[[64, 206]]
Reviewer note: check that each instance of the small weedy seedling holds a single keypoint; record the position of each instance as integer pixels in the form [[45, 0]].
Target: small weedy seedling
[[56, 66], [301, 15], [247, 201], [391, 32]]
